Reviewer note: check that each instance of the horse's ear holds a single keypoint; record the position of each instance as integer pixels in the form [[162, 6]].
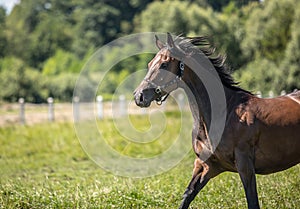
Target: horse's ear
[[170, 40], [159, 44]]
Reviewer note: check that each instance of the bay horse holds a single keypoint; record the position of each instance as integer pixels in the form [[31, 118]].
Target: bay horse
[[260, 135]]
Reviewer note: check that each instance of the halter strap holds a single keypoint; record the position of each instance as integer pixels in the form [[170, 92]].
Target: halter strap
[[181, 67], [158, 89]]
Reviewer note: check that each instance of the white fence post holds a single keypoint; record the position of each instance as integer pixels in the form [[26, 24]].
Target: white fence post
[[271, 94], [181, 101], [122, 105], [259, 94], [100, 107], [22, 110], [50, 109], [76, 110]]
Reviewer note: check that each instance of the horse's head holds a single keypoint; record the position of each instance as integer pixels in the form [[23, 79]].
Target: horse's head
[[164, 75]]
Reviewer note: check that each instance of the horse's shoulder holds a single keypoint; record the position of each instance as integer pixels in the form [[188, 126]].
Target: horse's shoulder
[[245, 114]]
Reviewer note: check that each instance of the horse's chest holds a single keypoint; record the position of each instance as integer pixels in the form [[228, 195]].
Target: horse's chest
[[201, 142], [203, 148]]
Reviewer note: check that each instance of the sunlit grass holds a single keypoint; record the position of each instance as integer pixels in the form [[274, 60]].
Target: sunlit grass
[[44, 166]]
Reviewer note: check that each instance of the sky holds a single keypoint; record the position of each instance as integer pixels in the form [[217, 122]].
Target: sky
[[8, 4]]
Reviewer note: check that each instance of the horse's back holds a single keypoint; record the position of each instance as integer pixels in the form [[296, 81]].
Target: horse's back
[[279, 111]]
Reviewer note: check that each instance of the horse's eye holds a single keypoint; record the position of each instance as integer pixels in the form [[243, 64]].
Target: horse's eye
[[164, 65]]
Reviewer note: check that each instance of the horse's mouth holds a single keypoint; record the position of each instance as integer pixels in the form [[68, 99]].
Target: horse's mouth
[[144, 104], [141, 100]]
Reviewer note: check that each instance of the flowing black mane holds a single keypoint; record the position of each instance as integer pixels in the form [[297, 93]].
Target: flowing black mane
[[187, 45]]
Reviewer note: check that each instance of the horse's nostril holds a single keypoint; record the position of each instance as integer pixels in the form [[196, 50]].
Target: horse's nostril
[[141, 97]]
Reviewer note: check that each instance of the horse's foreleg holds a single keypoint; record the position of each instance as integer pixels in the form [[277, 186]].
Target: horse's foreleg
[[246, 170], [199, 180]]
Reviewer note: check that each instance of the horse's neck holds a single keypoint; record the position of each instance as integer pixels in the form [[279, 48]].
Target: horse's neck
[[198, 100], [208, 129], [200, 103]]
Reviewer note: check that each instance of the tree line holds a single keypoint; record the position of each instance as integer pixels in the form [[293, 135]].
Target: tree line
[[45, 43]]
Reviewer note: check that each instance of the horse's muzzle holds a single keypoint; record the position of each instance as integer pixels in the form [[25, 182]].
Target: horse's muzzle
[[144, 98], [140, 100]]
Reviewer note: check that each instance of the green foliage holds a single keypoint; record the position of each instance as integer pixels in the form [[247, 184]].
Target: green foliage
[[112, 80], [3, 40], [20, 81], [290, 76], [220, 4], [271, 34], [260, 75], [53, 39], [61, 87], [172, 16], [268, 30], [21, 24], [99, 22], [62, 62], [45, 43]]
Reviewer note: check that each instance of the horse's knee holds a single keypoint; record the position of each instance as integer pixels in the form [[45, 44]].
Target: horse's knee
[[200, 169], [197, 167]]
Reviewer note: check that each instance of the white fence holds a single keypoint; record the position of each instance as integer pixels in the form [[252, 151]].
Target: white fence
[[27, 113]]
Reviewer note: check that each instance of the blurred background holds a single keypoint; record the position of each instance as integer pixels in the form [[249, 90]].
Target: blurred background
[[45, 43]]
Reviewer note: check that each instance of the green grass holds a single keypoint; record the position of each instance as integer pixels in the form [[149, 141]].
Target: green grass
[[44, 166]]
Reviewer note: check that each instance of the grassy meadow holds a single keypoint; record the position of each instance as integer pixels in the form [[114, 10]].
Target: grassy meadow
[[44, 166]]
